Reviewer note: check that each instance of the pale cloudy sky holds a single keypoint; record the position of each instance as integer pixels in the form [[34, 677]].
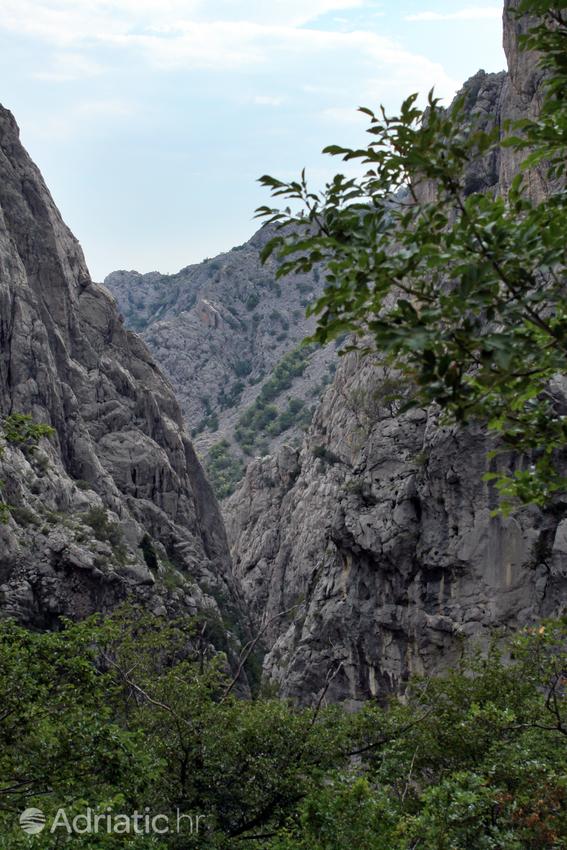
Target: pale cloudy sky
[[152, 119]]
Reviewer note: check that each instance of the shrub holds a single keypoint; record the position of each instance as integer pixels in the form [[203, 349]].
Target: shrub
[[24, 516], [474, 759], [254, 422], [230, 399], [20, 430], [224, 469], [252, 301], [289, 417], [104, 529], [149, 552], [242, 368], [326, 455]]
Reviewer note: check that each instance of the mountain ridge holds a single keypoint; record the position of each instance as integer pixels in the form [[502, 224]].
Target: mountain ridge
[[221, 330], [114, 505]]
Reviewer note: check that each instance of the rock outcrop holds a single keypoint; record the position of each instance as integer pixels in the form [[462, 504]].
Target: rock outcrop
[[377, 537], [218, 330], [114, 504]]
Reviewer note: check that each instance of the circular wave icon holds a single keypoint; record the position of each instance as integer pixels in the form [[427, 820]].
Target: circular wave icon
[[32, 821]]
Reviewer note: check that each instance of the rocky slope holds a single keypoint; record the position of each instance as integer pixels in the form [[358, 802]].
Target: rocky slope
[[114, 504], [219, 330], [376, 537]]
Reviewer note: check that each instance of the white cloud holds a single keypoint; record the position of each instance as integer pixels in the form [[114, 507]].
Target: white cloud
[[280, 12], [174, 33], [475, 13], [215, 35], [60, 22], [65, 21], [402, 74], [241, 44], [220, 35]]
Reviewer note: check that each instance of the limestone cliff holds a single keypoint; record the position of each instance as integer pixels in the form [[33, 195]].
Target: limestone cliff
[[377, 537], [115, 503], [220, 330]]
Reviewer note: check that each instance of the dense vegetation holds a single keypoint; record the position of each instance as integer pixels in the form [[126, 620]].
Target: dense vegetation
[[19, 430], [224, 470], [135, 712], [463, 293], [262, 417]]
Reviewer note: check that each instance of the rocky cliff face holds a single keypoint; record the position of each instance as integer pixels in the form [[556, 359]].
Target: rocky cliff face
[[115, 503], [376, 538], [220, 330]]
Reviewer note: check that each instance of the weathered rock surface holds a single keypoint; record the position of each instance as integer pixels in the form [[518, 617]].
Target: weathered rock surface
[[119, 472], [218, 329], [376, 537]]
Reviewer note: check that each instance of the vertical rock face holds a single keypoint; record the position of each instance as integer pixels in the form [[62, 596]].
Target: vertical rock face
[[377, 537], [118, 473]]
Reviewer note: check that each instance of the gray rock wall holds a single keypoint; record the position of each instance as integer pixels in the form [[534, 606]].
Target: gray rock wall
[[378, 534], [218, 329], [119, 469]]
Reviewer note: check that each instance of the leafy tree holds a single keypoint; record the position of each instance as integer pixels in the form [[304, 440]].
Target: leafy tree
[[136, 711], [474, 760], [463, 293], [59, 742]]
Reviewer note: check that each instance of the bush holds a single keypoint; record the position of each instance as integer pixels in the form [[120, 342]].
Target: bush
[[149, 553], [211, 422], [224, 470], [24, 516], [19, 429], [242, 368], [289, 367], [104, 529], [326, 455], [254, 422], [471, 760], [252, 301], [294, 415], [232, 398]]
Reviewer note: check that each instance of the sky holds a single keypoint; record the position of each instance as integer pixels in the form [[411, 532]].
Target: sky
[[151, 120]]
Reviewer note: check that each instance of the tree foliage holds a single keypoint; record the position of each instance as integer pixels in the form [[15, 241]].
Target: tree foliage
[[463, 293], [224, 469], [20, 430], [133, 712]]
